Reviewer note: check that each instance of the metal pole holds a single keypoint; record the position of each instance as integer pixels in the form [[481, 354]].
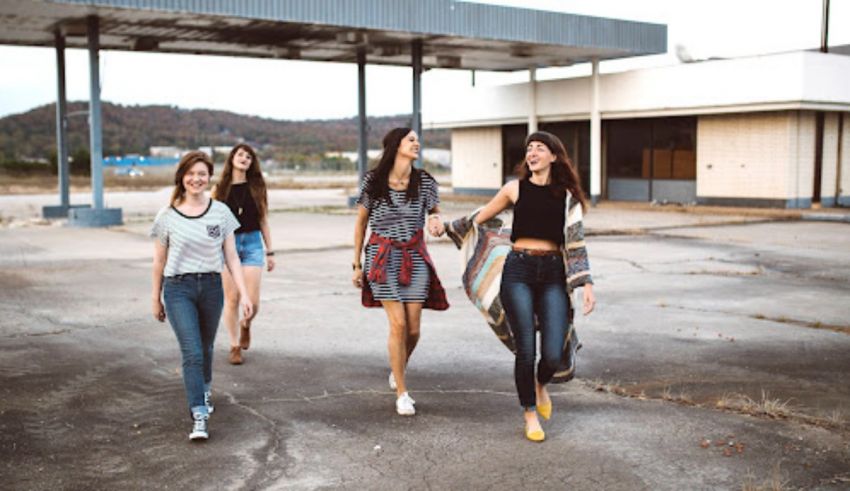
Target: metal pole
[[362, 141], [417, 97], [61, 124], [595, 137], [532, 100], [96, 149], [824, 28]]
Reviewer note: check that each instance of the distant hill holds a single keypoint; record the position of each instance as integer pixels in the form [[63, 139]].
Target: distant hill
[[133, 129]]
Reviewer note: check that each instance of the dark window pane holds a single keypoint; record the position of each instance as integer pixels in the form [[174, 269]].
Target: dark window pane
[[629, 144], [513, 148]]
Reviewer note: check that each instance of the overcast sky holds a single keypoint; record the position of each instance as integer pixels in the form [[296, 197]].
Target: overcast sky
[[283, 89]]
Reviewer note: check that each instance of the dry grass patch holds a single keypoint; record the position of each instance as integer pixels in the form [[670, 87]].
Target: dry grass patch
[[775, 482]]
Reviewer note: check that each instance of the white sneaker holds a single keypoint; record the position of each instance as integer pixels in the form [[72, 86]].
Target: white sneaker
[[404, 405], [199, 427], [208, 402]]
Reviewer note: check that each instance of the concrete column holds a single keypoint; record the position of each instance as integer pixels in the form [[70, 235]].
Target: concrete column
[[95, 128], [97, 216], [362, 140], [416, 122], [532, 100], [63, 169], [595, 136], [61, 123]]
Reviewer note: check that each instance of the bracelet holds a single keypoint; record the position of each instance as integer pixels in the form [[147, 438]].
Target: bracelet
[[434, 215], [270, 253], [356, 266]]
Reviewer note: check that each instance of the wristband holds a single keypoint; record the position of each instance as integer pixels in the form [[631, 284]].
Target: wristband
[[356, 266], [270, 253], [433, 215]]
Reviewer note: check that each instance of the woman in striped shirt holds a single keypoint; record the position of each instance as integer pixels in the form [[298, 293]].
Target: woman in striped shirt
[[399, 276], [191, 234]]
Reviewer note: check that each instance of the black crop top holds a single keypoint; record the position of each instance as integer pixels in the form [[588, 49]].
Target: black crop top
[[538, 214], [242, 205]]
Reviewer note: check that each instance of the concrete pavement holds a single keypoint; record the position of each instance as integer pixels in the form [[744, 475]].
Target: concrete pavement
[[715, 360]]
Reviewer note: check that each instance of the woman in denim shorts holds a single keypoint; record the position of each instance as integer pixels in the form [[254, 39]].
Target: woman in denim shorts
[[243, 189], [547, 262], [194, 237]]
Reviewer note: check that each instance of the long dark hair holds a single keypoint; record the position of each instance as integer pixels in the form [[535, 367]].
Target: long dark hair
[[378, 186], [563, 173], [186, 163], [256, 183]]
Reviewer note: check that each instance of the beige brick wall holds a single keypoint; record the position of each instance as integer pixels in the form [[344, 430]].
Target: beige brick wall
[[844, 180], [829, 171], [801, 174], [477, 158], [745, 155]]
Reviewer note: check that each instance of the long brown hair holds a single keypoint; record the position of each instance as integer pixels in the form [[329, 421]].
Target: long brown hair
[[256, 183], [186, 163], [563, 173], [379, 184]]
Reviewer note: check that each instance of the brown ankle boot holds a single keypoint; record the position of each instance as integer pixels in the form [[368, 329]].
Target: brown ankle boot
[[235, 357], [244, 336]]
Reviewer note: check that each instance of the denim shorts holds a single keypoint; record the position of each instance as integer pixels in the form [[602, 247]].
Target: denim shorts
[[249, 246]]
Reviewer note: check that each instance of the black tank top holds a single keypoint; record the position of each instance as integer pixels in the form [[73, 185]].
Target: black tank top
[[242, 205], [538, 214]]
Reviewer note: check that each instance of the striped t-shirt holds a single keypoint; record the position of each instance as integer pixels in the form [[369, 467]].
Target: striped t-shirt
[[194, 243]]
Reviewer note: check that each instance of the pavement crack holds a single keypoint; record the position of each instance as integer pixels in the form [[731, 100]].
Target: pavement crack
[[329, 395], [262, 474]]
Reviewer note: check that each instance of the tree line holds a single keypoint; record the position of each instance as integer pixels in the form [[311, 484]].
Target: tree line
[[132, 129]]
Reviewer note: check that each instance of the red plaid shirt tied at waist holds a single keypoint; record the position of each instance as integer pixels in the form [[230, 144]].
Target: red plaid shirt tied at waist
[[378, 270]]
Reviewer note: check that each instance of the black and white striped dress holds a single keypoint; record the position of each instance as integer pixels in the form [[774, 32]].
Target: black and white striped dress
[[399, 220]]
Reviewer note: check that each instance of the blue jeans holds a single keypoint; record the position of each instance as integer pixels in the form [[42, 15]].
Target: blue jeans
[[534, 287], [193, 304]]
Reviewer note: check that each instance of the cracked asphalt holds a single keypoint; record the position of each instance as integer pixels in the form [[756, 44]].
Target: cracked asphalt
[[716, 359]]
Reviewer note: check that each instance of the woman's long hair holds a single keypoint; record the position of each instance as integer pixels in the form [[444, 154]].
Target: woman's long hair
[[254, 176], [563, 173], [186, 163], [379, 184]]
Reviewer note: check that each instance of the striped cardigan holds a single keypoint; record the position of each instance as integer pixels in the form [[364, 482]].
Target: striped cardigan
[[484, 249]]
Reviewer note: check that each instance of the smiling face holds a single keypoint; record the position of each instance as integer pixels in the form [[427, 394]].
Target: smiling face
[[196, 179], [242, 160], [409, 146], [538, 157]]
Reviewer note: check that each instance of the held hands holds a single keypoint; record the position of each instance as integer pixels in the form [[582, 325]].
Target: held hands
[[158, 310], [589, 299], [435, 226]]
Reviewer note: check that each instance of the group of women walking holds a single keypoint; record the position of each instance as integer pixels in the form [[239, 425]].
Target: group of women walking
[[196, 236]]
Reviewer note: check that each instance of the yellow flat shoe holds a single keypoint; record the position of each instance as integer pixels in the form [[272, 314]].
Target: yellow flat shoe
[[545, 410], [535, 436]]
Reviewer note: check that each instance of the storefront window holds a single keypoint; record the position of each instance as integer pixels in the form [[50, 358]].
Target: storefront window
[[659, 148]]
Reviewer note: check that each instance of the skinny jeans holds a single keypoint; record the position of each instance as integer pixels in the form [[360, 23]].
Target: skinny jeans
[[533, 288]]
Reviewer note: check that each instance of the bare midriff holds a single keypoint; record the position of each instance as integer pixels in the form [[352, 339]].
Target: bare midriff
[[538, 244]]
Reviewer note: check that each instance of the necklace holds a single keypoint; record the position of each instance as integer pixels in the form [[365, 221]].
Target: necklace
[[240, 202]]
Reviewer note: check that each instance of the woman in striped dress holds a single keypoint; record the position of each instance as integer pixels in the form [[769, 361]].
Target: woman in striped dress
[[395, 199]]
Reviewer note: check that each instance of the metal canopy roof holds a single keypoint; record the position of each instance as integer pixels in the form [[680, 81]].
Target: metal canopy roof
[[454, 34]]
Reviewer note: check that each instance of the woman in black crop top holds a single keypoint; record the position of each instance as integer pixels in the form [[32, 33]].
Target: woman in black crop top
[[542, 267], [243, 189]]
